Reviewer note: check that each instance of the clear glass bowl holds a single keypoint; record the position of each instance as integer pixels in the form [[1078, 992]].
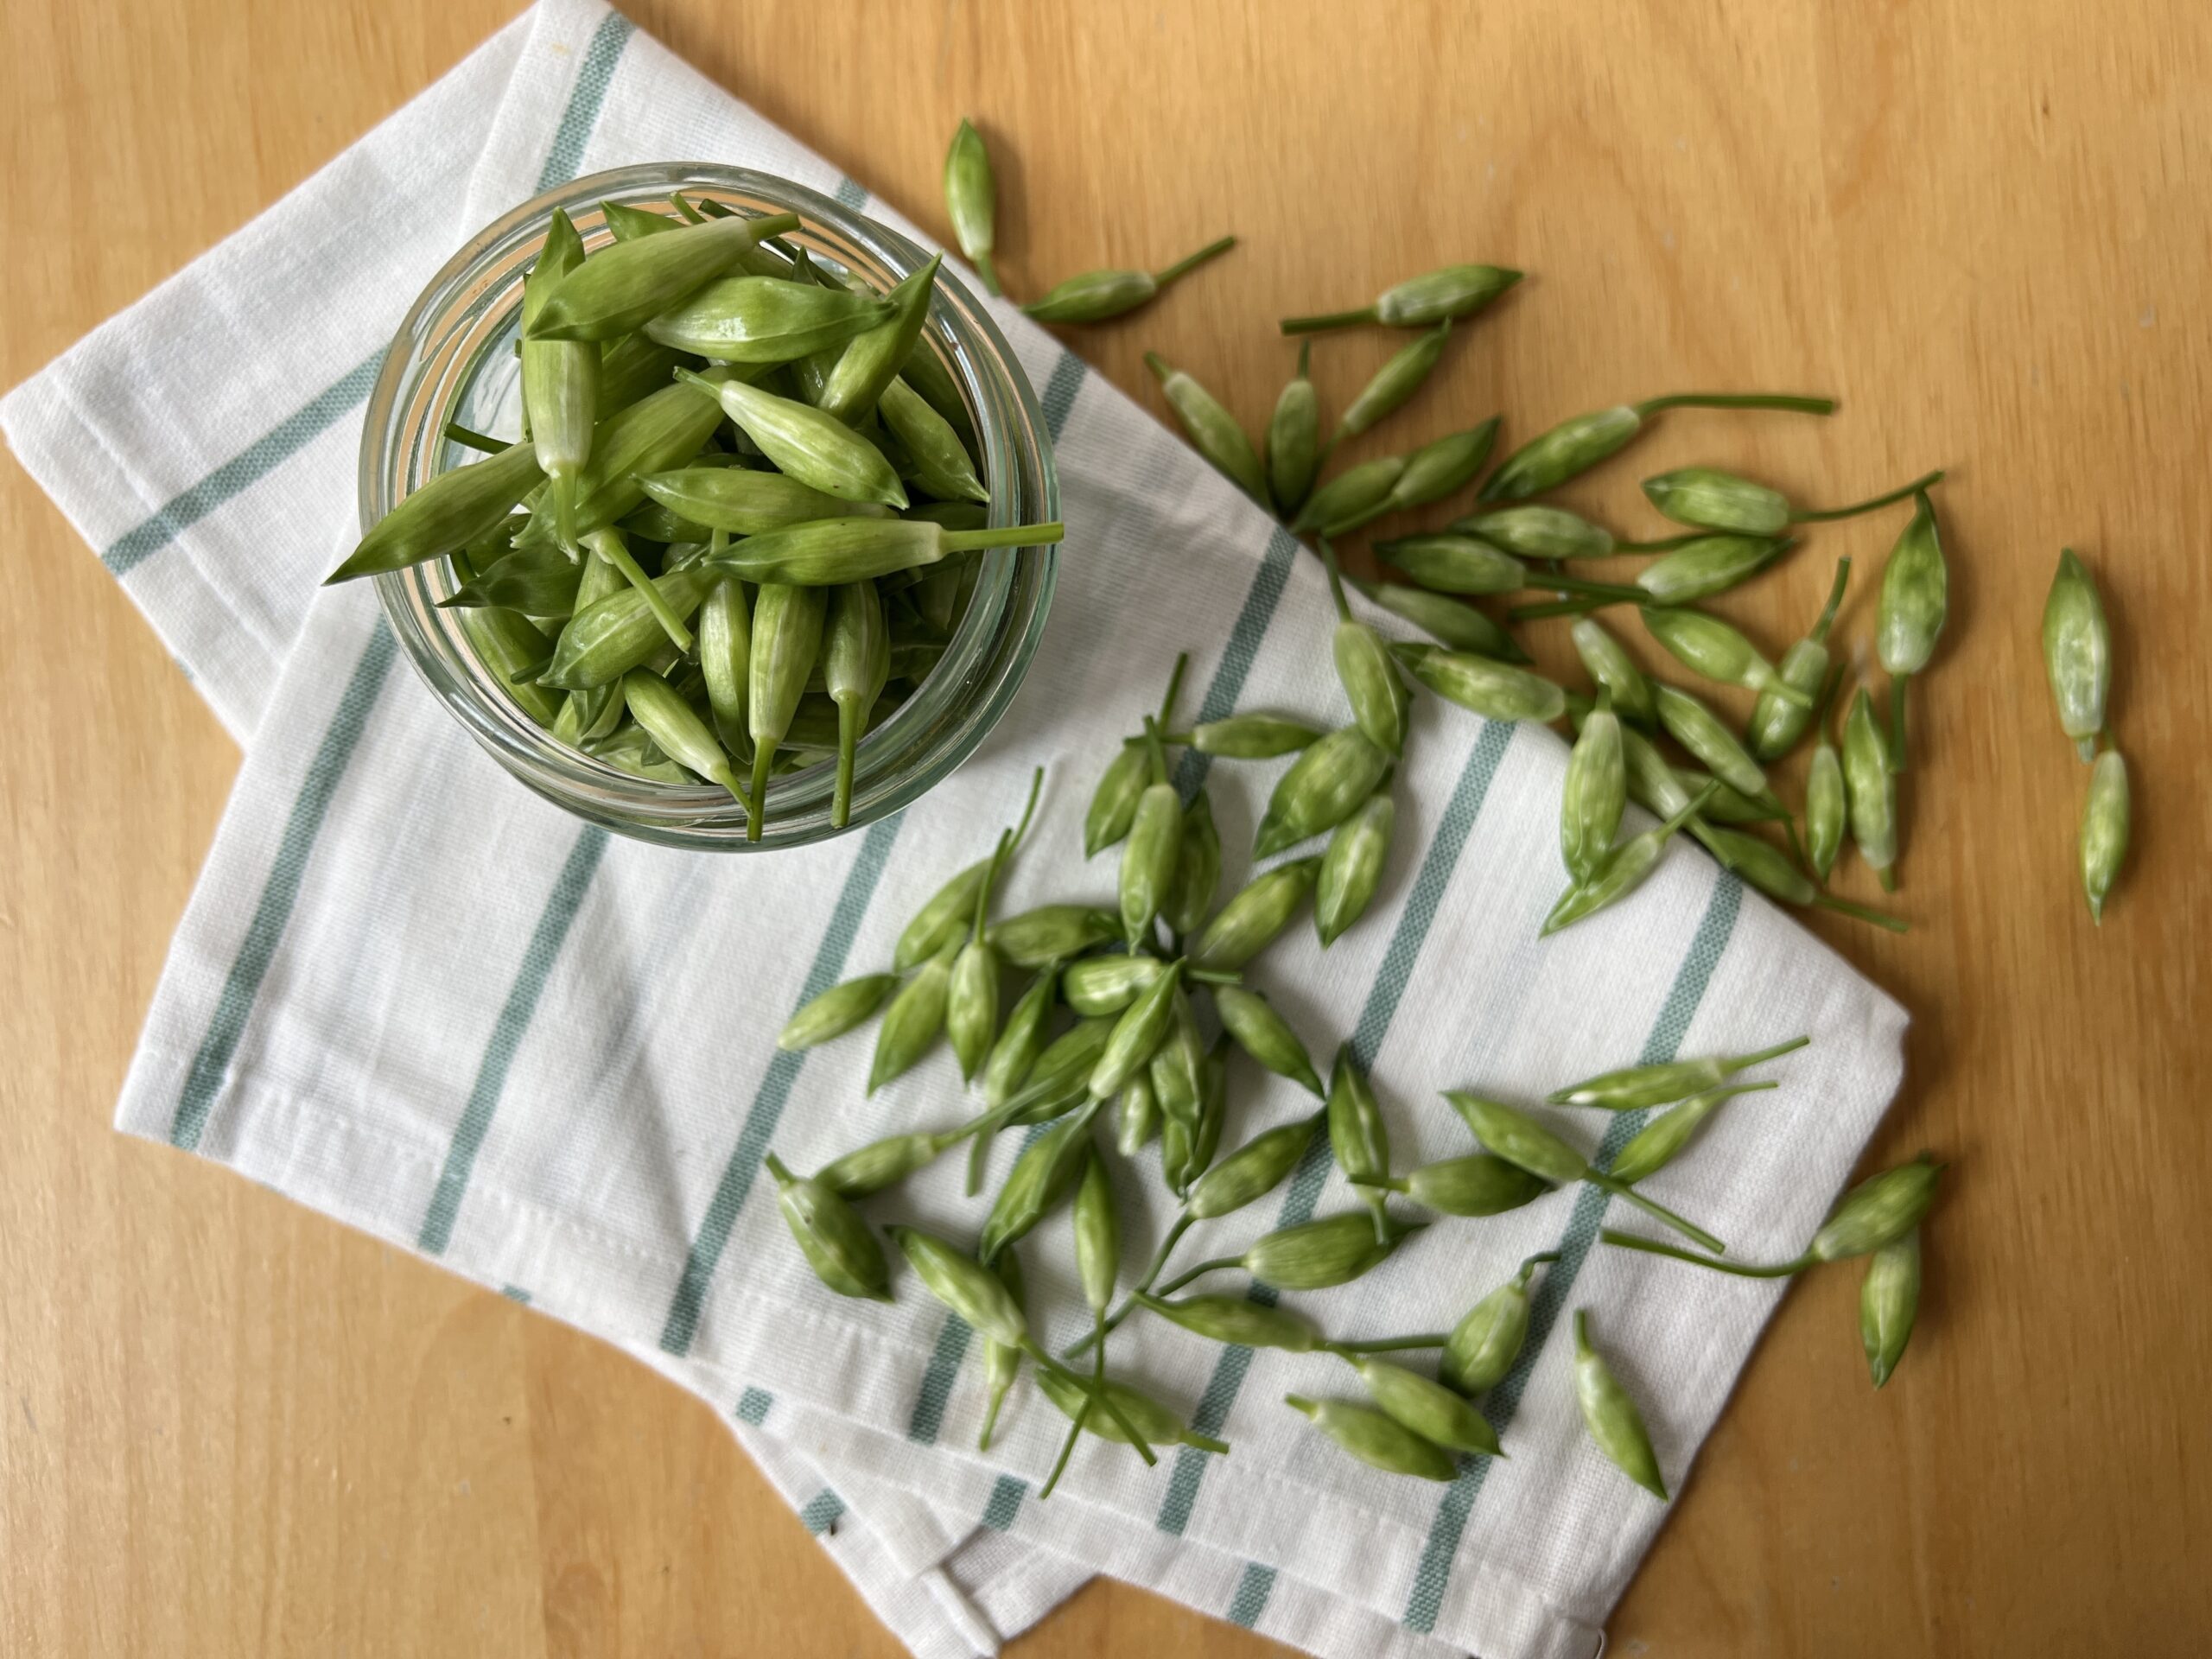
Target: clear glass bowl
[[454, 361]]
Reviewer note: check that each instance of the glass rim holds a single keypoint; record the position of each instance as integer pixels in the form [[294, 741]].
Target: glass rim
[[923, 739]]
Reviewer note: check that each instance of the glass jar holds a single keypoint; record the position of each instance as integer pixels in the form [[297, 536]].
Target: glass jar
[[455, 359]]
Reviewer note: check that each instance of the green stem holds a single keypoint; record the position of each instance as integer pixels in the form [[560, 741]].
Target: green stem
[[1657, 1210], [983, 890], [979, 1157], [1028, 810], [1388, 1345], [1190, 262], [764, 756], [1741, 1270], [1174, 686], [1897, 684], [1046, 1363], [1861, 912], [970, 541], [691, 215], [1820, 634], [990, 273], [1530, 1266], [1868, 505], [1322, 321], [1305, 358], [1789, 693], [1617, 592], [1214, 1266], [1887, 875], [1565, 608], [1791, 401], [1336, 578], [468, 438], [1345, 526], [1766, 1054], [609, 545], [1664, 544], [849, 718], [1176, 1228], [1075, 1427]]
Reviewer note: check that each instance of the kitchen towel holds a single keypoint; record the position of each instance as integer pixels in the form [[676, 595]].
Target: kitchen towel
[[410, 994]]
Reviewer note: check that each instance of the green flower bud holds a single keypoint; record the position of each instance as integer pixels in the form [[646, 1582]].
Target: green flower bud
[[1480, 1183], [2104, 830], [763, 319], [914, 1020], [1538, 532], [1097, 1234], [1318, 1255], [1098, 294], [1294, 439], [1633, 1088], [1255, 915], [1190, 897], [1051, 933], [1400, 377], [1351, 867], [836, 1011], [866, 1170], [1694, 725], [964, 1284], [1099, 985], [1610, 1415], [1707, 646], [1595, 792], [1136, 1035], [971, 201], [621, 288], [1238, 1320], [1428, 1409], [1452, 562], [1352, 496], [1459, 627], [1613, 669], [1872, 790], [1915, 597], [1889, 1298], [836, 1242], [1879, 1210], [1248, 737], [2076, 652], [1257, 1029], [1717, 501], [1483, 1346], [1323, 786], [1379, 1441], [1046, 1173], [1250, 1172], [1441, 295], [1213, 428], [1659, 1142], [1113, 803], [1493, 689]]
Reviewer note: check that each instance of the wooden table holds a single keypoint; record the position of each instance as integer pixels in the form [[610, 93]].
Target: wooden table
[[233, 1426]]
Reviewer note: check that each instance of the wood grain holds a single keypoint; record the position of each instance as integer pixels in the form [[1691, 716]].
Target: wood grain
[[231, 1426]]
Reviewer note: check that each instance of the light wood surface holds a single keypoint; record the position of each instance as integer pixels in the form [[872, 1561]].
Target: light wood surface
[[231, 1426]]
